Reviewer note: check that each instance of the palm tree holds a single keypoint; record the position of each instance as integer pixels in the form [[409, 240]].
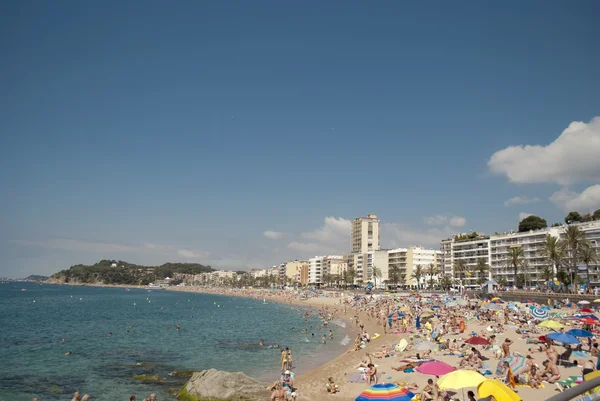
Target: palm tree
[[446, 282], [547, 273], [326, 278], [589, 257], [350, 276], [502, 281], [515, 261], [417, 274], [460, 267], [554, 252], [375, 273], [482, 268], [574, 242], [432, 271], [394, 275]]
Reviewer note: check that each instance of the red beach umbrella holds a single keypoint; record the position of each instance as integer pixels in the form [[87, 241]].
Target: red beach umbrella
[[589, 320], [477, 341], [588, 310]]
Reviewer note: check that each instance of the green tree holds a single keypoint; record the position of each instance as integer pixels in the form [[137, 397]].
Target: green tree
[[350, 276], [572, 217], [574, 242], [375, 273], [502, 281], [554, 253], [532, 223], [432, 271], [394, 275], [586, 217], [417, 274], [596, 215], [460, 268], [446, 282], [588, 256], [547, 273], [515, 261], [326, 279], [482, 269]]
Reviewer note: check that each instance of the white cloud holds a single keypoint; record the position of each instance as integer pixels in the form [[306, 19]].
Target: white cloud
[[458, 221], [572, 157], [439, 220], [520, 200], [112, 250], [396, 235], [586, 201], [524, 215], [188, 253], [305, 246], [333, 230], [436, 220], [273, 234]]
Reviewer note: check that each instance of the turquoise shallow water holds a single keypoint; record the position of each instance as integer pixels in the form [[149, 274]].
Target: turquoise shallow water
[[216, 332]]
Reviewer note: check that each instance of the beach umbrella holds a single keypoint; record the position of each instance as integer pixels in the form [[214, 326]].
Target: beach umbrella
[[426, 315], [462, 302], [493, 307], [460, 379], [580, 333], [589, 320], [492, 282], [435, 307], [539, 313], [517, 364], [385, 392], [588, 316], [551, 324], [563, 338], [497, 301], [435, 368], [596, 300], [499, 390], [584, 302], [451, 304], [476, 340], [425, 346]]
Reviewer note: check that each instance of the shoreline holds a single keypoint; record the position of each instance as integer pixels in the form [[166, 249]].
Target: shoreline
[[311, 382], [319, 302]]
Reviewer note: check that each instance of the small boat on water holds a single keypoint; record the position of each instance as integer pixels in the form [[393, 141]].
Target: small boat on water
[[152, 286]]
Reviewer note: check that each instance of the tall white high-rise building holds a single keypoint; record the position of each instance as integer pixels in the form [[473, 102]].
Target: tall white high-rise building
[[364, 241]]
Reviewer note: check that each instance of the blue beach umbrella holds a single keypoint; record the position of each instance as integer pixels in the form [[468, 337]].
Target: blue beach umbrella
[[539, 313], [563, 338], [579, 333]]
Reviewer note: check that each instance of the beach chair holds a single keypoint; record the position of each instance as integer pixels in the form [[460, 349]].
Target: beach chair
[[591, 376], [567, 383]]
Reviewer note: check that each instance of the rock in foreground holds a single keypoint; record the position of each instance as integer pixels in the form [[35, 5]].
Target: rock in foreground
[[216, 384]]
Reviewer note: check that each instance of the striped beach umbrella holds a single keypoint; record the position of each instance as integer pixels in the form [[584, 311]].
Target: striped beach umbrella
[[539, 313], [517, 364], [385, 392]]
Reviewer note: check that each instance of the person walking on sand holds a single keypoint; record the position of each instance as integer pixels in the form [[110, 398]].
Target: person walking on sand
[[283, 360], [506, 347], [289, 359]]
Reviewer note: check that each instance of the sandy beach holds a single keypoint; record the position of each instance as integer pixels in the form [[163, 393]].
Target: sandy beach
[[311, 385]]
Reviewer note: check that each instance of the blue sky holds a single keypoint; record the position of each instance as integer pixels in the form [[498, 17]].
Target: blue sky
[[154, 131]]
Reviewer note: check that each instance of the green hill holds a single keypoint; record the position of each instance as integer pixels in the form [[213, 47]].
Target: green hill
[[120, 272]]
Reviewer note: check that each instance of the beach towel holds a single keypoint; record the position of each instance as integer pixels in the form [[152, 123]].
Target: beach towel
[[357, 377], [580, 353]]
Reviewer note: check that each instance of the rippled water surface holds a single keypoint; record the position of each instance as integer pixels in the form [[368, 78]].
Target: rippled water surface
[[216, 332]]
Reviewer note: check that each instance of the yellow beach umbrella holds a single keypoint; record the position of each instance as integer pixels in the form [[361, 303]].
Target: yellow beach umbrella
[[551, 324], [460, 379], [499, 390], [495, 299], [596, 300]]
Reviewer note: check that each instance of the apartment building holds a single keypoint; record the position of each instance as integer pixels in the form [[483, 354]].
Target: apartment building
[[495, 250], [364, 240], [293, 270], [406, 260], [318, 266]]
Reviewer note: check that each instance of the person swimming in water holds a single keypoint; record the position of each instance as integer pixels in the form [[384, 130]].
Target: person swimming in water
[[261, 343], [324, 339]]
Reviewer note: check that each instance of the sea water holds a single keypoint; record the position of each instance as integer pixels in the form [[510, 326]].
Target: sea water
[[216, 331]]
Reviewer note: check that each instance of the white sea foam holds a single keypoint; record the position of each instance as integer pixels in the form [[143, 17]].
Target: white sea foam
[[345, 341], [339, 323]]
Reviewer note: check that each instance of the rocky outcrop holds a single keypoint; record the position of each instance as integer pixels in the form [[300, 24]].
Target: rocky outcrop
[[219, 385]]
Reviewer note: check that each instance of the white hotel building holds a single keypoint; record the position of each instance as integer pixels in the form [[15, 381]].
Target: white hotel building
[[494, 249]]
